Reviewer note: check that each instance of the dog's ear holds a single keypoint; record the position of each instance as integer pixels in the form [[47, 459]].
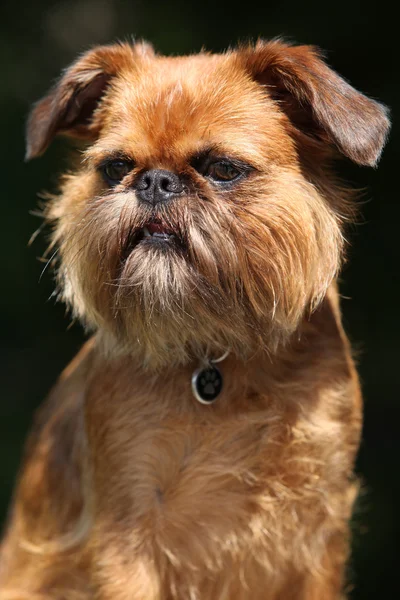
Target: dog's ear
[[70, 104], [318, 100]]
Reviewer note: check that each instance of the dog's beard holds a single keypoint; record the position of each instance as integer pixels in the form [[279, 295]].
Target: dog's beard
[[218, 275]]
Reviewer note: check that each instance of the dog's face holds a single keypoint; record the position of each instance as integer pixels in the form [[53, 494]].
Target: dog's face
[[202, 214]]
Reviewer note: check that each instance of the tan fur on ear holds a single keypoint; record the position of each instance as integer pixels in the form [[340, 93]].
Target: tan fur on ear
[[69, 106], [312, 93]]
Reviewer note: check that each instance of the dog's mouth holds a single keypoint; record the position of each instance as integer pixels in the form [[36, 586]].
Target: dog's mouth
[[157, 231], [155, 234]]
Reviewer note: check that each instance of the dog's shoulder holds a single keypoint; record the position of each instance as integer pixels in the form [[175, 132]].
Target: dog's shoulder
[[50, 479]]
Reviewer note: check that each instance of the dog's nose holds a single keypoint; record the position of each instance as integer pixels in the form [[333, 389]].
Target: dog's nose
[[157, 185]]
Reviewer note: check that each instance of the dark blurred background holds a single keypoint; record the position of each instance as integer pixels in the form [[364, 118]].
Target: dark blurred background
[[37, 40]]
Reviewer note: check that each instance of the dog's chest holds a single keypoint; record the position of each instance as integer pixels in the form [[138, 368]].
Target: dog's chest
[[181, 470], [182, 495], [185, 491]]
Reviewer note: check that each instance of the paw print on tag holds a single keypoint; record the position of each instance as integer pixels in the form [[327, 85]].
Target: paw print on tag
[[207, 384]]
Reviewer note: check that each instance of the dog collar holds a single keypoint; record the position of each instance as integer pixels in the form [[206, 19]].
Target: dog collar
[[207, 381]]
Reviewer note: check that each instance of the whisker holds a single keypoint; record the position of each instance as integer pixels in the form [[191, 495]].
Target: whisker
[[47, 264]]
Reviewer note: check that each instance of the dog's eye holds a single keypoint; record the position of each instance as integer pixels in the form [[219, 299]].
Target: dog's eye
[[115, 170], [222, 171]]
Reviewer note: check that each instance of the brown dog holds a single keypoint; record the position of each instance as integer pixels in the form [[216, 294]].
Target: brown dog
[[202, 221]]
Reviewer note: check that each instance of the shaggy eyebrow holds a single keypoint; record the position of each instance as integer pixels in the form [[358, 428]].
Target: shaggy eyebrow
[[98, 159], [218, 153]]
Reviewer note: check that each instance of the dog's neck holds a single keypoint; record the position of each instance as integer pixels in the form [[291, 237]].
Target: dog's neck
[[259, 371], [193, 355]]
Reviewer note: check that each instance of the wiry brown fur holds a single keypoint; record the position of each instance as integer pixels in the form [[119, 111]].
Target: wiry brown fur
[[132, 490]]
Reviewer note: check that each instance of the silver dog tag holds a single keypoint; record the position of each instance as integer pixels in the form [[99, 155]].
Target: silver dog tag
[[207, 384]]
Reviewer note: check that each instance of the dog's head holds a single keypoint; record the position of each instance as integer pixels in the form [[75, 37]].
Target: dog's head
[[202, 214]]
